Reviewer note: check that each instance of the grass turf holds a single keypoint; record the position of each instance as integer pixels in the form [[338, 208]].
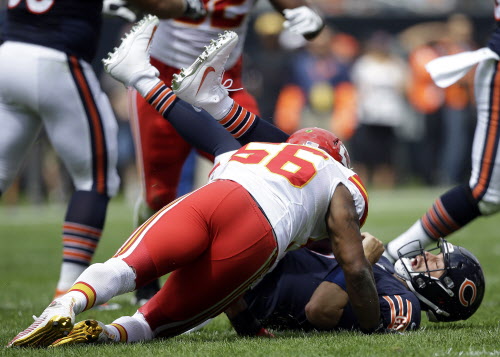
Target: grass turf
[[29, 266]]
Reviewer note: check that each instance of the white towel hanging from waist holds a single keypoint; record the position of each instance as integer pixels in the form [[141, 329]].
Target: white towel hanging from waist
[[447, 70]]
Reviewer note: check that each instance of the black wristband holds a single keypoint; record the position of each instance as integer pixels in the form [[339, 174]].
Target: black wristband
[[245, 324]]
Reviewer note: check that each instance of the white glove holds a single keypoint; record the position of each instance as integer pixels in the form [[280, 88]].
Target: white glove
[[302, 21], [118, 8]]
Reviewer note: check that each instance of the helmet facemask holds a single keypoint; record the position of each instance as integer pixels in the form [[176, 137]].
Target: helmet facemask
[[453, 292]]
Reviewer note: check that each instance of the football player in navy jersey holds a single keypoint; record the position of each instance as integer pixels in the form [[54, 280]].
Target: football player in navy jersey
[[480, 197], [47, 82], [306, 291]]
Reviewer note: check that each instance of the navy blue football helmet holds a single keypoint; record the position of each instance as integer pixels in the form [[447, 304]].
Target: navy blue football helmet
[[458, 291]]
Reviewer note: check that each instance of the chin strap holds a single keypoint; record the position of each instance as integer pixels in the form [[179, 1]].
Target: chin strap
[[436, 309]]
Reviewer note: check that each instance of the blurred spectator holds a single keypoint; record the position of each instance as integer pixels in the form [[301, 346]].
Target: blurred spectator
[[458, 111], [380, 77], [266, 62], [319, 92], [426, 99], [447, 114]]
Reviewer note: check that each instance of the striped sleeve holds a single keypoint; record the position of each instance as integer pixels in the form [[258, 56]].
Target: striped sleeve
[[356, 181], [400, 312]]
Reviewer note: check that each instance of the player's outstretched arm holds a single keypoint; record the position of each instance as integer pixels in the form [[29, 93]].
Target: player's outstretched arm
[[343, 226]]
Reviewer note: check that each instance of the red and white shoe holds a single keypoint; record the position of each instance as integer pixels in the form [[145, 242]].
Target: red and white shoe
[[56, 321], [201, 83]]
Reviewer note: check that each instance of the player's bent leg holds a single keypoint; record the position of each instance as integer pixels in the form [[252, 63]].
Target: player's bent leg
[[82, 231], [450, 212], [205, 287]]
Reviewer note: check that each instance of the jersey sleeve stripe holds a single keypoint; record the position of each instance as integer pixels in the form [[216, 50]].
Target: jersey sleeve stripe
[[361, 188], [393, 310], [409, 311]]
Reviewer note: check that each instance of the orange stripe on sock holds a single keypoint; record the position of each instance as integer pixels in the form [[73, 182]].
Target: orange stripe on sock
[[86, 290], [83, 242], [248, 124], [238, 120], [81, 230], [230, 115], [154, 90], [167, 103], [85, 256], [428, 226], [435, 218], [442, 211]]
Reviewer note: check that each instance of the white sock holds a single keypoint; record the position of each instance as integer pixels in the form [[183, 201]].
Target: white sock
[[410, 240], [220, 109], [101, 282], [69, 273], [136, 329], [144, 84]]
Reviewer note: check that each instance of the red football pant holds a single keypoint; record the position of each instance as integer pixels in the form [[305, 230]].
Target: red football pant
[[216, 242], [161, 152]]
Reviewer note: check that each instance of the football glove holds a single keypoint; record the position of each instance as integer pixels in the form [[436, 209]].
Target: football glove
[[303, 21], [118, 8], [195, 9]]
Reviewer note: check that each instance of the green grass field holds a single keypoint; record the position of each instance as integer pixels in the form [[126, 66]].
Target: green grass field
[[29, 266]]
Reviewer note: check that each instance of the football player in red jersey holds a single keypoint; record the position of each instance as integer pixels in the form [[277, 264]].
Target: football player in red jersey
[[287, 193], [176, 44]]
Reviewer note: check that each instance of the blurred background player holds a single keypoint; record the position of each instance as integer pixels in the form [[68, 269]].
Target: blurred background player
[[47, 82], [481, 196], [161, 152]]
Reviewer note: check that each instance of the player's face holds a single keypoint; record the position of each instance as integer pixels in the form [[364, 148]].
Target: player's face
[[434, 262]]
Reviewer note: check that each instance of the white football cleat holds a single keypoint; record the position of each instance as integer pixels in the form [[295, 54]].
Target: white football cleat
[[88, 331], [56, 321], [130, 61], [200, 83]]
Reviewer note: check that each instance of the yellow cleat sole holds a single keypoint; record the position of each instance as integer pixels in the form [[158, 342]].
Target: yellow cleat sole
[[87, 331], [55, 328]]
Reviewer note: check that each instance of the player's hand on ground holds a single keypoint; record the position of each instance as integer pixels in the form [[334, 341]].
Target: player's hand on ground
[[265, 333], [303, 21], [119, 8], [373, 247]]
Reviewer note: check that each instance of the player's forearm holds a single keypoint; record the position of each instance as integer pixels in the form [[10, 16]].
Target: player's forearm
[[363, 296]]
